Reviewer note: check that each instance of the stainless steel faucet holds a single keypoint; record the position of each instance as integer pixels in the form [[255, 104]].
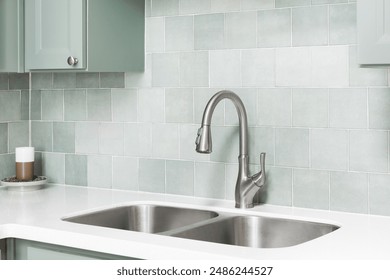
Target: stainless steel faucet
[[246, 186]]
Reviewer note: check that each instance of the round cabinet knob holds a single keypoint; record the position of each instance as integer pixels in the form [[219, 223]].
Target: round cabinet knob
[[72, 60]]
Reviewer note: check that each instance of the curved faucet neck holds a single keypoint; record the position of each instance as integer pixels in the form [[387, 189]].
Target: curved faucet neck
[[243, 121]]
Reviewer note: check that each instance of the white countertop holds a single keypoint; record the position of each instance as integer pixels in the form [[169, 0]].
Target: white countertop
[[36, 215]]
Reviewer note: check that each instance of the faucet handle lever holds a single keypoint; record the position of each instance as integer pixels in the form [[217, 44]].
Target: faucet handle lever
[[262, 162], [259, 178]]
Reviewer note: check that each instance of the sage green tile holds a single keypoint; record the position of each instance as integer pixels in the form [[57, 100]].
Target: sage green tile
[[3, 138], [3, 81], [180, 177], [36, 105], [18, 135], [87, 80], [138, 139], [342, 24], [179, 33], [98, 105], [53, 166], [164, 7], [379, 190], [99, 171], [166, 141], [124, 105], [42, 136], [240, 30], [179, 103], [291, 3], [292, 147], [75, 105], [379, 108], [256, 4], [64, 80], [64, 137], [10, 106], [209, 31], [274, 107], [19, 81], [125, 173], [112, 80], [311, 188], [278, 187], [52, 105], [195, 6], [87, 137], [111, 138], [76, 171], [274, 28], [349, 192], [25, 104], [41, 80], [7, 165], [210, 180], [165, 69], [310, 26], [152, 175], [151, 105]]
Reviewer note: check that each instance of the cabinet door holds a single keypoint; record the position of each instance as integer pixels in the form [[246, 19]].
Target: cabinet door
[[55, 31], [373, 18]]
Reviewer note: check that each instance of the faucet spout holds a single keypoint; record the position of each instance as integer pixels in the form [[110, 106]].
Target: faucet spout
[[246, 186]]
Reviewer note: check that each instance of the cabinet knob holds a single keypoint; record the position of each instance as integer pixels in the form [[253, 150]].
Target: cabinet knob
[[72, 60]]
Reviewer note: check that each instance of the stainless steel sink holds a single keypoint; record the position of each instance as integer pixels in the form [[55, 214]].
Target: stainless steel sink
[[258, 232], [210, 226], [144, 218]]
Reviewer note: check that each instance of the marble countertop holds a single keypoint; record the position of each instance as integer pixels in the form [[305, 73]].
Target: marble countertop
[[36, 215]]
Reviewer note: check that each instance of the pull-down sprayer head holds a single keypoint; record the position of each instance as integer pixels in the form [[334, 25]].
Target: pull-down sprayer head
[[203, 141]]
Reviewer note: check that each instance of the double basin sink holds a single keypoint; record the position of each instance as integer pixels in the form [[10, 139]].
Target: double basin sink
[[209, 226]]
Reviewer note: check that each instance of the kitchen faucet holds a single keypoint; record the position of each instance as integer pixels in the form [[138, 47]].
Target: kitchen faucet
[[246, 186]]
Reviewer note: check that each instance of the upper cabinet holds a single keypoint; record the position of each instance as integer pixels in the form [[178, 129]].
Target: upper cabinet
[[373, 20], [82, 35], [11, 34]]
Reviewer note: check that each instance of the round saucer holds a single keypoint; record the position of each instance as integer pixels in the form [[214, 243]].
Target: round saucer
[[35, 184]]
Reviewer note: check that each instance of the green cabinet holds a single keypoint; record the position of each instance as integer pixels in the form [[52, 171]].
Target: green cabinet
[[12, 36], [21, 249], [373, 25], [75, 35]]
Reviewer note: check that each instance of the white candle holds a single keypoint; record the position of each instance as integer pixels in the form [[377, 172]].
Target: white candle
[[24, 154], [24, 157]]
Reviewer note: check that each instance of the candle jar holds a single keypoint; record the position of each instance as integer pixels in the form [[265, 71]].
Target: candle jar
[[24, 157]]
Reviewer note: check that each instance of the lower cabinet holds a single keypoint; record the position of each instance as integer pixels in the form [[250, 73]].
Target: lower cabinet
[[21, 249]]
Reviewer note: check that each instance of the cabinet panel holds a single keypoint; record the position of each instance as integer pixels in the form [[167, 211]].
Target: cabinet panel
[[20, 249], [55, 30], [373, 18], [12, 36]]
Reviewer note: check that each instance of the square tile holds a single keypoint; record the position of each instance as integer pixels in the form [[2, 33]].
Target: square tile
[[111, 139], [151, 105], [292, 147], [165, 142], [76, 170], [342, 24], [348, 108], [309, 25], [194, 69], [180, 177], [165, 70], [152, 175], [310, 107], [87, 137], [209, 180], [240, 30], [42, 136], [209, 31], [179, 33], [225, 68], [64, 137], [369, 150], [311, 189], [329, 149], [99, 169], [75, 105], [125, 173], [278, 187], [274, 107], [379, 194], [274, 28], [138, 139], [52, 105], [124, 105], [379, 108], [258, 68], [53, 167], [349, 192], [98, 105], [179, 104]]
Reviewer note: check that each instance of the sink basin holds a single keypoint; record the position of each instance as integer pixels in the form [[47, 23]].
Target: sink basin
[[258, 232], [144, 218]]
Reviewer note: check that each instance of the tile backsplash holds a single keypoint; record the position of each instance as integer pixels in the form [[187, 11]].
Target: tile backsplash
[[322, 120]]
